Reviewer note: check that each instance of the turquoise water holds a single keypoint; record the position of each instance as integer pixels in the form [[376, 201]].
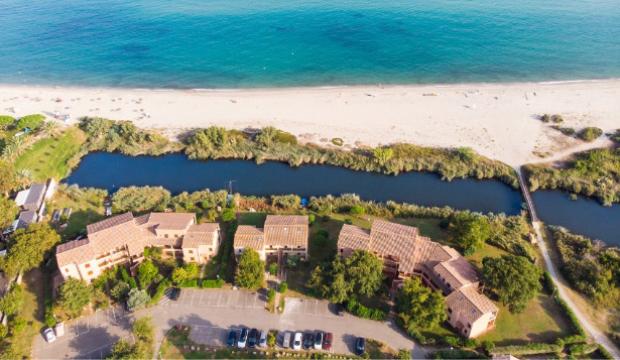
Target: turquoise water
[[206, 44]]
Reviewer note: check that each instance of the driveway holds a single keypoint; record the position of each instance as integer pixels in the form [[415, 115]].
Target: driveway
[[211, 313]]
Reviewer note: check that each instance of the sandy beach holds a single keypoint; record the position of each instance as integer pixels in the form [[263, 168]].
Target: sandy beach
[[497, 120]]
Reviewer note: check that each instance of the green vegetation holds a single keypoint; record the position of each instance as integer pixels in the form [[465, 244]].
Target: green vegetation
[[250, 270], [87, 205], [137, 299], [8, 177], [594, 173], [554, 118], [8, 211], [123, 137], [615, 137], [273, 144], [470, 230], [140, 199], [419, 307], [27, 247], [74, 296], [513, 279], [590, 134], [589, 267], [144, 334], [52, 157], [32, 122]]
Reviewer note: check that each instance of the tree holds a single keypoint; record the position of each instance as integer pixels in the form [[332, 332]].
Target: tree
[[137, 299], [514, 279], [8, 177], [144, 333], [74, 295], [179, 275], [363, 272], [339, 289], [419, 307], [124, 350], [12, 301], [27, 248], [8, 211], [316, 283], [147, 271], [228, 215], [250, 270], [471, 231]]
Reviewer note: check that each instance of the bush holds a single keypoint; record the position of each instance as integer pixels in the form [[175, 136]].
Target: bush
[[283, 287], [337, 141], [357, 210], [358, 309], [140, 199], [211, 284], [529, 349], [189, 283], [229, 215], [590, 134], [32, 122], [6, 121], [137, 299]]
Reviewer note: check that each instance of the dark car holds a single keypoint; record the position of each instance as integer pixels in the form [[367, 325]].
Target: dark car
[[173, 293], [253, 338], [327, 341], [318, 340], [360, 346], [232, 338], [308, 340]]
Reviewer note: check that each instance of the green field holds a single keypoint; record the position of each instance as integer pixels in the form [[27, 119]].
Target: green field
[[50, 157]]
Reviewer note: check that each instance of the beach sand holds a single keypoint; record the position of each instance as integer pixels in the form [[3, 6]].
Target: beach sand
[[497, 120]]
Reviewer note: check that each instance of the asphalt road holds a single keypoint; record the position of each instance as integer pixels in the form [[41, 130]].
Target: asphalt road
[[211, 313]]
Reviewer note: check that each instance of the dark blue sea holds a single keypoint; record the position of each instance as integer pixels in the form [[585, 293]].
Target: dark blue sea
[[267, 43]]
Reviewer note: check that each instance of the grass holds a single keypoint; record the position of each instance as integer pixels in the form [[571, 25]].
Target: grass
[[51, 157], [541, 321], [252, 218], [378, 350], [32, 311], [87, 205]]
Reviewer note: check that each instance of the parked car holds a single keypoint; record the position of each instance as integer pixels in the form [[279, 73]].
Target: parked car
[[308, 340], [297, 341], [286, 340], [232, 338], [49, 336], [253, 338], [327, 341], [360, 346], [243, 338], [262, 339], [318, 340], [59, 329], [173, 293]]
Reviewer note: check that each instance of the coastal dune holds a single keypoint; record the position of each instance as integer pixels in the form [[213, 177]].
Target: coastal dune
[[499, 121]]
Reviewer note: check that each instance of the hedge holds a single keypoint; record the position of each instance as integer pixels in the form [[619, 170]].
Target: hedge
[[189, 283], [582, 349], [456, 354], [211, 284], [357, 309], [529, 349], [550, 286], [604, 353]]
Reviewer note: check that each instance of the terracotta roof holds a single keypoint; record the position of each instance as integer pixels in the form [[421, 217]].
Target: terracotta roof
[[200, 235], [286, 230], [109, 222], [457, 272], [249, 237], [170, 221], [75, 251], [354, 238], [468, 304]]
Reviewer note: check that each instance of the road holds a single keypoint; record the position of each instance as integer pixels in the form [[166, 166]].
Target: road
[[589, 327], [211, 313]]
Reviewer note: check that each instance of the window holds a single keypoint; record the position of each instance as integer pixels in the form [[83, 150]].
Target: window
[[166, 236], [67, 270], [190, 251], [90, 273], [210, 249], [192, 258], [87, 266]]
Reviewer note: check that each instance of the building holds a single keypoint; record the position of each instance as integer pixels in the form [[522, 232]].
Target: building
[[281, 235], [121, 239], [405, 253], [32, 203]]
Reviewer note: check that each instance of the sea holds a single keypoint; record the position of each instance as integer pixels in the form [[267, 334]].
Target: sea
[[281, 43]]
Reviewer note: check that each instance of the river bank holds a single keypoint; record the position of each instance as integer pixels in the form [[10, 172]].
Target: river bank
[[498, 121]]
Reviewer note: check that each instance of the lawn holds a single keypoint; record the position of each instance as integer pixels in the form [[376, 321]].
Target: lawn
[[50, 157], [86, 204], [252, 218], [541, 321]]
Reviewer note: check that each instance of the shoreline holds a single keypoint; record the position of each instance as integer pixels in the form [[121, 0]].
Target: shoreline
[[498, 120]]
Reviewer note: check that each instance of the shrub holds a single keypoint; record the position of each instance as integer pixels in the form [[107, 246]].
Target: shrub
[[212, 284], [6, 121], [337, 141], [358, 309], [229, 215], [590, 134], [529, 349], [137, 299], [357, 210], [32, 122], [140, 199], [283, 287]]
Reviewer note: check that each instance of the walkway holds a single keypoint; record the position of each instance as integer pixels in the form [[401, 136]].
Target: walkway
[[589, 327]]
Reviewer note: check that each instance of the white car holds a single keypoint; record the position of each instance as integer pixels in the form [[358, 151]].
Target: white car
[[262, 339], [243, 338], [297, 341], [49, 336]]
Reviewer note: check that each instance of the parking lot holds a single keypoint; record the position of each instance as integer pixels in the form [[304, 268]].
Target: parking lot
[[211, 313]]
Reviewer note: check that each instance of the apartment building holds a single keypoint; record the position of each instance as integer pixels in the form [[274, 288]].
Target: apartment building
[[121, 239], [281, 234], [405, 253]]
